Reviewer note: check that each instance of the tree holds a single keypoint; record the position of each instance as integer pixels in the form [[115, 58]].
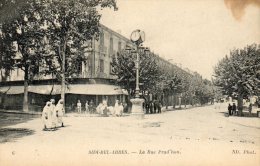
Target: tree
[[6, 50], [71, 25], [239, 74], [22, 36], [123, 66]]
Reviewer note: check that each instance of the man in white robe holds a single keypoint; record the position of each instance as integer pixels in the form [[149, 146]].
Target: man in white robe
[[53, 113], [117, 108], [120, 108], [46, 116], [59, 111]]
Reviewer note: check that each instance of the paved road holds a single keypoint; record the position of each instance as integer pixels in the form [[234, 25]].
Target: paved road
[[198, 136]]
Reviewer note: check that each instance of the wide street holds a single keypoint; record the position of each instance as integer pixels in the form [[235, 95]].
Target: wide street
[[196, 136]]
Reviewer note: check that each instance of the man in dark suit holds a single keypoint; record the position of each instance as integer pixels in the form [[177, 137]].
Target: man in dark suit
[[229, 109]]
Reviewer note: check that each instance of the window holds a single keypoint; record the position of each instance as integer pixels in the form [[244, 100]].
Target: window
[[101, 66], [119, 46], [111, 46], [101, 39], [112, 69]]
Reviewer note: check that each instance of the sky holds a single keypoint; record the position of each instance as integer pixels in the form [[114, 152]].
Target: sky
[[193, 33]]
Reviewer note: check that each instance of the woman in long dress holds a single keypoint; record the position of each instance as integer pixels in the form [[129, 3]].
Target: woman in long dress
[[59, 111], [46, 116]]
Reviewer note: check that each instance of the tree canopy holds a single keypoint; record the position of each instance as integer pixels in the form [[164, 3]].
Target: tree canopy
[[240, 72], [238, 75]]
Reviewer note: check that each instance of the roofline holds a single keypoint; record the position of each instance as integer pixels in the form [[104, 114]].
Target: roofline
[[114, 32]]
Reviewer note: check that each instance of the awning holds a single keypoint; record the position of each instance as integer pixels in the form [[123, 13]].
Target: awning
[[95, 89], [14, 90], [4, 89], [45, 89], [40, 89], [87, 89]]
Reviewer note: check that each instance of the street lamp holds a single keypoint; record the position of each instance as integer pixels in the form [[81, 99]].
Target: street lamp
[[137, 37]]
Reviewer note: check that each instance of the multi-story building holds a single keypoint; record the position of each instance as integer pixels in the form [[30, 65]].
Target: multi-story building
[[94, 81]]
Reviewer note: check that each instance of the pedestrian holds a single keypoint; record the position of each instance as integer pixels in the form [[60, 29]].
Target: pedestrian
[[234, 109], [87, 107], [104, 108], [155, 106], [151, 107], [79, 106], [250, 108], [121, 108], [160, 107], [125, 107], [59, 109], [229, 109], [53, 113], [147, 106], [100, 108], [91, 107], [46, 116], [116, 108]]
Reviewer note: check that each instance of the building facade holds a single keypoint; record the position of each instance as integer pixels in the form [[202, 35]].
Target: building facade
[[94, 81]]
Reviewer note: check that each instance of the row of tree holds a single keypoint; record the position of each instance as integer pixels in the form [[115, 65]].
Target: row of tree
[[238, 75], [160, 78], [51, 34]]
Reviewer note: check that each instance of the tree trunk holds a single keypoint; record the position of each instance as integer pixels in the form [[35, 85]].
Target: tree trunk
[[185, 102], [167, 100], [174, 101], [63, 75], [25, 96], [240, 104]]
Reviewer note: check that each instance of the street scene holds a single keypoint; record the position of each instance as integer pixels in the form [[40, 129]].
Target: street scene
[[127, 82]]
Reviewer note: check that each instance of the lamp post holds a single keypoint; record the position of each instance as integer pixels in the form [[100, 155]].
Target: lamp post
[[137, 37]]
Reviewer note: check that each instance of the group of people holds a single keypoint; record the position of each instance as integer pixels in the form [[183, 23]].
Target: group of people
[[52, 115], [89, 107], [117, 110], [153, 107], [232, 109], [102, 109]]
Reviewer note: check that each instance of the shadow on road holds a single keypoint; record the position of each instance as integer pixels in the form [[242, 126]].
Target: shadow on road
[[8, 119], [12, 134]]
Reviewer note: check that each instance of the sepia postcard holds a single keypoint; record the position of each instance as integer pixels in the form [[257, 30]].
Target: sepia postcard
[[130, 82]]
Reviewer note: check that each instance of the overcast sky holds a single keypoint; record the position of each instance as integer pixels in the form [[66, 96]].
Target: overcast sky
[[194, 33]]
